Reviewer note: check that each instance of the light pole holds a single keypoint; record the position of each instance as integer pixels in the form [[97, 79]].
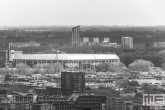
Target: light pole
[[57, 55], [4, 40]]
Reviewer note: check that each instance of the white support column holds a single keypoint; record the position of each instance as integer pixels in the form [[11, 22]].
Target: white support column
[[37, 63], [78, 66]]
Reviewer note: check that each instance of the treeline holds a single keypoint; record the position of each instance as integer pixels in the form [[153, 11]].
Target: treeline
[[68, 49], [128, 58], [64, 37], [34, 49]]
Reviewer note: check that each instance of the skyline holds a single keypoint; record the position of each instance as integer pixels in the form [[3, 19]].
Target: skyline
[[82, 12]]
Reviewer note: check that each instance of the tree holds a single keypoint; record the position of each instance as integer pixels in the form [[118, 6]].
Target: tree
[[121, 83], [163, 66], [48, 68], [141, 65], [58, 67], [162, 53], [127, 108], [133, 83], [54, 68], [130, 57], [101, 67], [23, 68], [80, 49], [43, 66]]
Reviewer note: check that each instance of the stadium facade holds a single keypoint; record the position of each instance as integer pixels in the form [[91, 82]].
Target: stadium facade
[[79, 61]]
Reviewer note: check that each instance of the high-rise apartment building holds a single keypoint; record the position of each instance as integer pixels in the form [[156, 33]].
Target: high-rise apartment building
[[72, 82], [76, 36], [127, 42]]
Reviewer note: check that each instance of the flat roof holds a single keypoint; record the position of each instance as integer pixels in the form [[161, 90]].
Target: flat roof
[[18, 56]]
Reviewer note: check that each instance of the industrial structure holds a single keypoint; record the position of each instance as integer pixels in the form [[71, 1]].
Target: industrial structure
[[76, 36]]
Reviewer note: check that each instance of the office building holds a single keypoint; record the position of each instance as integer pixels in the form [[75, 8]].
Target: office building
[[72, 82], [76, 36], [115, 104], [127, 42]]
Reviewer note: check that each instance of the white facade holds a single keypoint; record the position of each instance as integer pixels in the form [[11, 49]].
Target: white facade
[[106, 39], [150, 81], [23, 44], [11, 55], [85, 39], [114, 45], [159, 44], [96, 39]]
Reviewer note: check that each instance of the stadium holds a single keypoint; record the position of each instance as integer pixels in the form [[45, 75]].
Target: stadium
[[80, 61]]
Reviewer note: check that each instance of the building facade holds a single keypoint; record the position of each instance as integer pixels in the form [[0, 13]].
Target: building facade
[[74, 102], [76, 36], [6, 57], [72, 82], [158, 44], [23, 44], [139, 46], [127, 42], [86, 41], [115, 104], [74, 61]]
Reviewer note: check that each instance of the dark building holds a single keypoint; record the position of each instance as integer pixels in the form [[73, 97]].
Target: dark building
[[53, 91], [72, 82], [48, 91], [6, 57], [3, 91], [115, 104], [15, 106], [74, 102], [3, 57]]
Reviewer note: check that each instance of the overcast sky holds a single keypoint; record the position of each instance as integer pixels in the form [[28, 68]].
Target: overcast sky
[[82, 12]]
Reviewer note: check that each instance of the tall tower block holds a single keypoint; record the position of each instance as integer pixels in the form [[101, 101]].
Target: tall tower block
[[72, 82], [76, 36]]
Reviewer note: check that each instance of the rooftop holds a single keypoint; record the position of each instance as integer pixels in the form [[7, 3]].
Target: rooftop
[[19, 56]]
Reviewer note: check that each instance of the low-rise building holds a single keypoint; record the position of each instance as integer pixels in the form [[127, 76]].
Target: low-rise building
[[115, 104], [74, 102], [139, 46], [23, 44], [158, 44]]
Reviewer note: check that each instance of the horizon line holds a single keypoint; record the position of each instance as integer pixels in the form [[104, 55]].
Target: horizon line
[[82, 25]]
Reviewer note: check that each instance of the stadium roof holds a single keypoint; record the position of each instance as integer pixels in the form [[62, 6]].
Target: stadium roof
[[65, 56]]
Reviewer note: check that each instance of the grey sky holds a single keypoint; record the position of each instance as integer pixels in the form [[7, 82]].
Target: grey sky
[[82, 12]]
